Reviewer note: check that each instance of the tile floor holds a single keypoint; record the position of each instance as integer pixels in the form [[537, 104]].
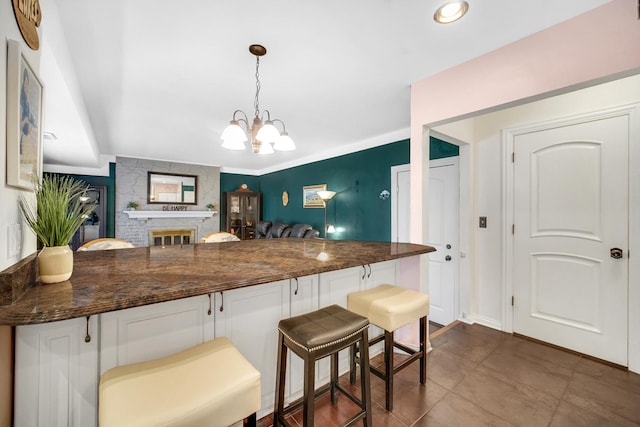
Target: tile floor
[[481, 377]]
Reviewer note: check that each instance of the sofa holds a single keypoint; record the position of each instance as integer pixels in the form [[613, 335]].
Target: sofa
[[276, 230]]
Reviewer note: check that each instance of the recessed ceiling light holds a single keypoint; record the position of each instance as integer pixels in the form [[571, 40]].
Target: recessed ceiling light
[[451, 12]]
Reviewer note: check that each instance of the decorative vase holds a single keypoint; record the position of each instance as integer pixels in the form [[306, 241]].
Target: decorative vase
[[55, 264]]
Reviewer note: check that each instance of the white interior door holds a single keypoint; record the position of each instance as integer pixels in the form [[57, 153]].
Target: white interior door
[[443, 235], [570, 210]]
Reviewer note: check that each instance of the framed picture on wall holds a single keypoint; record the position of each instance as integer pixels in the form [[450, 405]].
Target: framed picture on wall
[[310, 198], [24, 120]]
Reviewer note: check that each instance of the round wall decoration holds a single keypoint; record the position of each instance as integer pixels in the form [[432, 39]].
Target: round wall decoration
[[285, 198], [28, 15]]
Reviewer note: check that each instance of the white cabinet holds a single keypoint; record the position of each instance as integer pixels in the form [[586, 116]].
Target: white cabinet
[[249, 318], [56, 374], [156, 330]]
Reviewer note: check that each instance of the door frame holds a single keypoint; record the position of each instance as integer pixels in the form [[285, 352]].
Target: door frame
[[394, 198], [508, 136]]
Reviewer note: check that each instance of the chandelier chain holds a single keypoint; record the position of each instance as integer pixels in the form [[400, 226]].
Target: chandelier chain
[[256, 102]]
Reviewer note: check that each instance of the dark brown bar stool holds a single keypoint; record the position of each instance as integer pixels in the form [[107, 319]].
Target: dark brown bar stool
[[390, 307], [313, 336]]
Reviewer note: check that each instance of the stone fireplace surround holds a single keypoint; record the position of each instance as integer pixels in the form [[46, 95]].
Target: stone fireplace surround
[[131, 185]]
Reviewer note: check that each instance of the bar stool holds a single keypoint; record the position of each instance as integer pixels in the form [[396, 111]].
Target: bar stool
[[210, 384], [313, 336], [390, 307]]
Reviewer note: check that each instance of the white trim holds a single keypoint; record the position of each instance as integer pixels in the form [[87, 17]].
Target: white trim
[[488, 322], [634, 239], [508, 136], [395, 170]]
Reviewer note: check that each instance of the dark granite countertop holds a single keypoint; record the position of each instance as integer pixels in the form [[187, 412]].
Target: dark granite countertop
[[110, 280]]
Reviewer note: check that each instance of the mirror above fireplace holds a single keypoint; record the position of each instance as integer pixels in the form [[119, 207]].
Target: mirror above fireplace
[[174, 189]]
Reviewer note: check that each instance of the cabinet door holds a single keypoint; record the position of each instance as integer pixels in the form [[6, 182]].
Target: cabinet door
[[249, 318], [234, 214], [304, 299], [156, 330], [378, 274], [381, 273], [243, 211], [251, 216], [56, 374], [334, 288]]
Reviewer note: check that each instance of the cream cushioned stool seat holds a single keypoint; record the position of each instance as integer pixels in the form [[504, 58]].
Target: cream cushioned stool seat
[[391, 307], [210, 384]]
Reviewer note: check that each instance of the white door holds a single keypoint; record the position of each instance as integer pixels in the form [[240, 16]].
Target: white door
[[570, 210], [400, 199], [443, 235]]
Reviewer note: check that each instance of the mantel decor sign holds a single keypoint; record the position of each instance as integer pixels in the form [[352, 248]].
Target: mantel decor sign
[[28, 15], [310, 198], [24, 120]]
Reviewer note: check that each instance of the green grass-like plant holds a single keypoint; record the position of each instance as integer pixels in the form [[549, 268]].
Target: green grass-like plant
[[59, 210]]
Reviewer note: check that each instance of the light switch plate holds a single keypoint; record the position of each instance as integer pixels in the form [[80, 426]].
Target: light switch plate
[[14, 240]]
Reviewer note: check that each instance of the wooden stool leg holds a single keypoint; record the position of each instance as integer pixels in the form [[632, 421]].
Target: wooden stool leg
[[281, 369], [334, 378], [251, 421], [388, 369], [352, 364], [309, 390], [423, 349], [365, 384]]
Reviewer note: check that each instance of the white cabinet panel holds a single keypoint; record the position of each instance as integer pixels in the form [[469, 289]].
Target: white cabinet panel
[[56, 374], [304, 299], [152, 331], [249, 318]]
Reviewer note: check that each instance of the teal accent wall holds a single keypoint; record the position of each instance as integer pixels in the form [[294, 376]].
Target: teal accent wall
[[357, 178], [232, 181], [110, 183], [439, 149]]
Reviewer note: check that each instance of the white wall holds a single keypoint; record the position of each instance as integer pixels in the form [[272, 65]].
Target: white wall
[[9, 214]]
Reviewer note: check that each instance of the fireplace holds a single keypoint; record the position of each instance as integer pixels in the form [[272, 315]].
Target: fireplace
[[184, 236]]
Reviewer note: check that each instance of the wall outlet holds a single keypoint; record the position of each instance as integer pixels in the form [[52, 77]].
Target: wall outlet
[[14, 240], [483, 222]]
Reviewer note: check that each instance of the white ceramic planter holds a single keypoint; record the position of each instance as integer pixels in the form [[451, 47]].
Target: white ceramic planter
[[55, 264]]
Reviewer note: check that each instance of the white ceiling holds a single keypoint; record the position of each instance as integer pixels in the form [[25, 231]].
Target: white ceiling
[[160, 79]]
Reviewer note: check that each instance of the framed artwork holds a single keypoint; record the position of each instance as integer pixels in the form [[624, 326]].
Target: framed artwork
[[24, 120], [310, 198]]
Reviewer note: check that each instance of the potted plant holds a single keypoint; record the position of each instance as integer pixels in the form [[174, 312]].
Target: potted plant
[[132, 206], [54, 214], [211, 206]]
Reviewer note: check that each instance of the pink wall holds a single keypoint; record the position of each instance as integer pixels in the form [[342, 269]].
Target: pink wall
[[602, 42]]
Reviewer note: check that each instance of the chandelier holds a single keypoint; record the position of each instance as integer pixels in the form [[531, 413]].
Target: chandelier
[[265, 137]]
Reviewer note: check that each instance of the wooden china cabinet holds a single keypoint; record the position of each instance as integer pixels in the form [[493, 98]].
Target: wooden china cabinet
[[243, 210]]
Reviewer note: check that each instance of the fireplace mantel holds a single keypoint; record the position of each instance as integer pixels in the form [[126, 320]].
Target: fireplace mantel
[[146, 215]]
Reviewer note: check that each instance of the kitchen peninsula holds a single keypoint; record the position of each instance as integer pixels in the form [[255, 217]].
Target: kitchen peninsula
[[126, 305]]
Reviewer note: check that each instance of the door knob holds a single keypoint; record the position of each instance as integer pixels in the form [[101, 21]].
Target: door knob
[[616, 253], [447, 258], [448, 246]]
